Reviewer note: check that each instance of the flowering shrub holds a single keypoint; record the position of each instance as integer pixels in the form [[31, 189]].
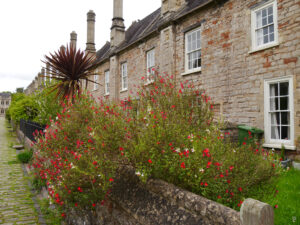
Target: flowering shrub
[[80, 152], [178, 142], [166, 133]]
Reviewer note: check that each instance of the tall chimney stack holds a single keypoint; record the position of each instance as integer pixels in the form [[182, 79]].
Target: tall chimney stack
[[73, 39], [90, 44], [169, 6], [117, 34]]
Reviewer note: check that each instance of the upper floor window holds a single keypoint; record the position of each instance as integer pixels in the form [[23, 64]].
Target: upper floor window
[[193, 50], [106, 87], [96, 76], [2, 102], [124, 77], [264, 26], [150, 65], [7, 102]]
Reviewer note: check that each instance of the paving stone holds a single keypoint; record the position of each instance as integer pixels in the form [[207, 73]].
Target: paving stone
[[16, 204]]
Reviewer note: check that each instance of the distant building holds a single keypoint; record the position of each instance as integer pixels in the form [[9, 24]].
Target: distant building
[[5, 99]]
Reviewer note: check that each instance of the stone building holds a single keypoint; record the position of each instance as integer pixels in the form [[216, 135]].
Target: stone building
[[245, 53], [5, 99]]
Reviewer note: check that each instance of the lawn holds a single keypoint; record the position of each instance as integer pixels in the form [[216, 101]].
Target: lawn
[[283, 193]]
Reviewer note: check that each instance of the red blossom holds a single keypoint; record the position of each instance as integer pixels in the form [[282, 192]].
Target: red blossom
[[79, 189], [111, 179], [182, 165], [149, 161]]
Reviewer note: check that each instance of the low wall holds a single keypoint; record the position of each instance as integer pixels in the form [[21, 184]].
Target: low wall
[[157, 202]]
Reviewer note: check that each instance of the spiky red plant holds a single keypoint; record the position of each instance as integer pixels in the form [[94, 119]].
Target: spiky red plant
[[72, 67]]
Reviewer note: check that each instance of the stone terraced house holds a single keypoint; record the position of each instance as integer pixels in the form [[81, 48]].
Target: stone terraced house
[[245, 54], [5, 99]]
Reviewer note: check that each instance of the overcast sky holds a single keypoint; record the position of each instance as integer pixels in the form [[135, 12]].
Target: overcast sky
[[29, 29]]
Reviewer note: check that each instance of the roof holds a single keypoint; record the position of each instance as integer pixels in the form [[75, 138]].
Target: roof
[[5, 95], [142, 28]]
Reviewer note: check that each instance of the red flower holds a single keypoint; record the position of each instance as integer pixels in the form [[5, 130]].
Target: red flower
[[121, 148], [111, 179], [240, 189], [205, 184], [228, 181], [219, 197], [149, 161], [79, 189], [244, 143], [208, 164], [173, 106], [76, 204], [276, 206], [94, 205], [182, 165], [231, 167], [221, 175], [63, 215], [95, 163]]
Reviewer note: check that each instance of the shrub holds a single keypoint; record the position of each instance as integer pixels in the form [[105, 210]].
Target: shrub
[[25, 156], [79, 159]]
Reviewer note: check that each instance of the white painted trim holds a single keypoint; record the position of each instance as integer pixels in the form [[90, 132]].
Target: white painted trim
[[254, 46], [186, 61], [122, 76], [278, 146], [267, 119]]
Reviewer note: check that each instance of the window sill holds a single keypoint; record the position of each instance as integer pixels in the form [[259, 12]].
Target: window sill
[[278, 146], [191, 72], [264, 47], [148, 82], [123, 90], [106, 95]]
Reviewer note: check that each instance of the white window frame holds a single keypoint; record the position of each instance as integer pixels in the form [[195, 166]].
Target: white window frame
[[96, 78], [150, 65], [276, 143], [124, 77], [255, 46], [187, 52], [106, 82]]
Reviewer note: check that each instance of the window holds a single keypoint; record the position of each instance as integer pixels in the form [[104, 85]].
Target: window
[[7, 102], [193, 50], [150, 65], [124, 77], [279, 111], [264, 26], [96, 80], [2, 102], [106, 82]]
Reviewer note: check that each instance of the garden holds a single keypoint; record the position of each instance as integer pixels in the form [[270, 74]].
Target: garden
[[165, 131]]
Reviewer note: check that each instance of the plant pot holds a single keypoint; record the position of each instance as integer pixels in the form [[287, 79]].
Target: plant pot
[[296, 165], [285, 163]]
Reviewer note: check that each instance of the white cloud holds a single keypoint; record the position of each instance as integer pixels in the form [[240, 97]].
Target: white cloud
[[32, 28]]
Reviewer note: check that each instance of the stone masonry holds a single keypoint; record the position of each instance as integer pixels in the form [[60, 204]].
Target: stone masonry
[[230, 73]]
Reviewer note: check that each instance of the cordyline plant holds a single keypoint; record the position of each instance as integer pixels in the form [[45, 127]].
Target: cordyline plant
[[72, 66]]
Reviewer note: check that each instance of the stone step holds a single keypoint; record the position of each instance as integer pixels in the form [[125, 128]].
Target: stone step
[[18, 147]]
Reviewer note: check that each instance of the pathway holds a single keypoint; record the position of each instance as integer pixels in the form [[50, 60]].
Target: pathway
[[16, 204]]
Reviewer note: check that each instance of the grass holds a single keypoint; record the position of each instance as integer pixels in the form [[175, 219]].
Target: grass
[[282, 193], [51, 215]]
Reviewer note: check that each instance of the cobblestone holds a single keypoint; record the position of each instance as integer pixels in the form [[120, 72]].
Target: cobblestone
[[16, 204]]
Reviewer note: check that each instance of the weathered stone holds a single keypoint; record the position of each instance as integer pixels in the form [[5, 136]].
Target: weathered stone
[[18, 147], [256, 212]]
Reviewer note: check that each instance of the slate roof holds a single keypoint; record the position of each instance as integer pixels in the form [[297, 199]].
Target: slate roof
[[143, 28], [4, 95]]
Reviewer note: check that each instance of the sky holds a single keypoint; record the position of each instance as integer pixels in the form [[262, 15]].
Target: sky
[[31, 29]]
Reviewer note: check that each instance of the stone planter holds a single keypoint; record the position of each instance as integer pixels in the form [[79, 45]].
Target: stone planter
[[296, 165]]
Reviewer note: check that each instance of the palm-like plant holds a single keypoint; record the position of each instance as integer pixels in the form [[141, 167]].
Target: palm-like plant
[[72, 67]]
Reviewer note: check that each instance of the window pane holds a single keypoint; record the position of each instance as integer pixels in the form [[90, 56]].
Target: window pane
[[275, 118], [285, 118], [285, 132], [264, 21], [266, 39], [189, 43], [284, 88], [274, 104], [259, 36], [264, 12], [265, 30], [194, 44], [273, 90], [284, 103], [271, 29], [270, 19], [275, 132], [258, 19], [272, 37], [270, 10], [194, 37]]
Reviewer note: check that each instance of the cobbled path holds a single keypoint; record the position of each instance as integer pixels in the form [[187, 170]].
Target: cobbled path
[[16, 204]]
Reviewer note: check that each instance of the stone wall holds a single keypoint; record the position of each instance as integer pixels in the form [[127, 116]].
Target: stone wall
[[231, 74], [157, 202]]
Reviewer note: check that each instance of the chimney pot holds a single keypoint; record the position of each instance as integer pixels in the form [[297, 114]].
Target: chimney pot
[[73, 39], [90, 44]]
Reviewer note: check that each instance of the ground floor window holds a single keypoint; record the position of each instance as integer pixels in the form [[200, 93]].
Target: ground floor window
[[278, 99]]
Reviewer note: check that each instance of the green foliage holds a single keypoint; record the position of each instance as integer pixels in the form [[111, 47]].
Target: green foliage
[[47, 105], [282, 152], [52, 215], [25, 156], [22, 107], [168, 134], [38, 183]]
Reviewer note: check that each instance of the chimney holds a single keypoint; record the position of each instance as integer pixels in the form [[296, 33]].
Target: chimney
[[90, 44], [117, 34], [73, 39], [169, 6]]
